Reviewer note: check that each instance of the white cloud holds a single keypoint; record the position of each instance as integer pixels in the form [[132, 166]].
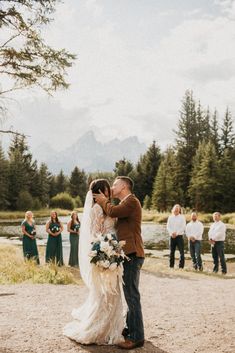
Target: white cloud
[[125, 85]]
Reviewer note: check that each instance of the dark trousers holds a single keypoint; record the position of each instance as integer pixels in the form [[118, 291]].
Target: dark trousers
[[177, 242], [195, 252], [218, 254], [134, 320]]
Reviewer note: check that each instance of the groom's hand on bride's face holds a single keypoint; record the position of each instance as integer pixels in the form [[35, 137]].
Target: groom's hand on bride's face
[[99, 197]]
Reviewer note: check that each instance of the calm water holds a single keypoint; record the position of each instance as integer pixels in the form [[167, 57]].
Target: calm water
[[155, 235]]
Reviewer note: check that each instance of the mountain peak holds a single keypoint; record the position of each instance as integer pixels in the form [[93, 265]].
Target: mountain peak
[[91, 155]]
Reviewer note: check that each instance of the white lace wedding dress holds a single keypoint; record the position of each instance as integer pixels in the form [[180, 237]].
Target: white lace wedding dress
[[100, 319]]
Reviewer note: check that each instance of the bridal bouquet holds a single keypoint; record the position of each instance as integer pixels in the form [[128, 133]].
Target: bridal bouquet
[[106, 252]]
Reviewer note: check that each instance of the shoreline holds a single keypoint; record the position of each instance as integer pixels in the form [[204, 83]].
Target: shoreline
[[148, 216]]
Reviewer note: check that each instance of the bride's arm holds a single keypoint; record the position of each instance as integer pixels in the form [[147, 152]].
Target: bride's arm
[[97, 220]]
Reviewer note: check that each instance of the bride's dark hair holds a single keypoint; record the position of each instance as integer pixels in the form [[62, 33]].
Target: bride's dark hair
[[100, 185]]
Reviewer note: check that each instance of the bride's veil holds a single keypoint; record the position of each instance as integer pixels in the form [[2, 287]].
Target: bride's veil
[[85, 240]]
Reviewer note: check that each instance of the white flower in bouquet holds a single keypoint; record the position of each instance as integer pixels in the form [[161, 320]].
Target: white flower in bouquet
[[104, 246], [122, 243], [113, 266], [106, 264], [93, 253], [109, 236]]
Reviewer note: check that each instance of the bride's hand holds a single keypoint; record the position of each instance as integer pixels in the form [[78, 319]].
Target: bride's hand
[[99, 198]]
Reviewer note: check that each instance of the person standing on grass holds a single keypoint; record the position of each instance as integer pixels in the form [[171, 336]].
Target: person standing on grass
[[217, 234], [176, 225], [73, 229], [30, 249], [54, 251], [194, 231]]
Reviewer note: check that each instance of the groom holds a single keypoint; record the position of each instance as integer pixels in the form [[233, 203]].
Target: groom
[[128, 213]]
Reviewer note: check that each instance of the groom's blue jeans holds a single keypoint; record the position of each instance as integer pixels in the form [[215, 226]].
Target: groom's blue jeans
[[131, 278]]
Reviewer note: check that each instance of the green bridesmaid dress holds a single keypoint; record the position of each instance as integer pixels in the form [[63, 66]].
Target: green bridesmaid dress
[[74, 238], [30, 249], [54, 251]]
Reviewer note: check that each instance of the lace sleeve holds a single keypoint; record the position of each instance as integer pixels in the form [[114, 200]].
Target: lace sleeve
[[97, 220]]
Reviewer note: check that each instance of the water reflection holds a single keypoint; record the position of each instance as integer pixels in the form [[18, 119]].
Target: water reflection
[[155, 235]]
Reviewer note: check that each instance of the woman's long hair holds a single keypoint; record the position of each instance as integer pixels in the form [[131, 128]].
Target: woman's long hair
[[72, 220], [56, 217], [98, 185]]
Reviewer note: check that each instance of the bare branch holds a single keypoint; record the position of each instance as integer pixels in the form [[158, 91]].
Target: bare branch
[[13, 132]]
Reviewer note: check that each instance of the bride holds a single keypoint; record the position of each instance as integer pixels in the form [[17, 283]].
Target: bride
[[100, 319]]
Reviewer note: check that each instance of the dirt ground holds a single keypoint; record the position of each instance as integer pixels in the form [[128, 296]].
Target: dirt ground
[[183, 313]]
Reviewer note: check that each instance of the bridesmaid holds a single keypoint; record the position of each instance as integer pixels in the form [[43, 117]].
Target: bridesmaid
[[73, 229], [30, 249], [54, 252]]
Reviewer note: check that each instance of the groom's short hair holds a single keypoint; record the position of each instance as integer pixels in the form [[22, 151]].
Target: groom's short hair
[[128, 181]]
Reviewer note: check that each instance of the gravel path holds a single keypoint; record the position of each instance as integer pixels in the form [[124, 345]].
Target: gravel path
[[181, 315]]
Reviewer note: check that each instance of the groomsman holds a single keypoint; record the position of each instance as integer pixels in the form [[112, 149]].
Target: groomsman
[[176, 224], [216, 234], [194, 231]]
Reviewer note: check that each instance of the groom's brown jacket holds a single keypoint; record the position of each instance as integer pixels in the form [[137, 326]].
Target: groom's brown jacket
[[128, 214]]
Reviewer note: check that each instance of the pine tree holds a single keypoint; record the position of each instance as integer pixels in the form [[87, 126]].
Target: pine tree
[[21, 169], [205, 187], [3, 179], [78, 183], [52, 183], [145, 172], [44, 184], [214, 132], [227, 136], [194, 193], [203, 124], [227, 181], [187, 142], [165, 192], [61, 182], [123, 168]]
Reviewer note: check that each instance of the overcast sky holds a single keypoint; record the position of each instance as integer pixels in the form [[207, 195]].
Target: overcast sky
[[136, 58]]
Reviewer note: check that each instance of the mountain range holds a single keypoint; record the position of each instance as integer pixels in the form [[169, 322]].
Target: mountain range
[[90, 154]]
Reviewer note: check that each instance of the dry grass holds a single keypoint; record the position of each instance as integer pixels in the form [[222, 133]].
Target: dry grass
[[161, 217], [161, 268], [13, 269], [39, 213]]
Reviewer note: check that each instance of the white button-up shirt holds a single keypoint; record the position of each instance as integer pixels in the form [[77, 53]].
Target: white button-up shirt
[[217, 231], [176, 224], [194, 229]]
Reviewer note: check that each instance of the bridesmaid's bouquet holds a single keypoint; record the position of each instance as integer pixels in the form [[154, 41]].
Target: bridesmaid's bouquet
[[55, 229], [106, 252], [33, 233], [76, 227]]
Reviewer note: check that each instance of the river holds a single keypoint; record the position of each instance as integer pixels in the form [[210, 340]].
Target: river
[[155, 235]]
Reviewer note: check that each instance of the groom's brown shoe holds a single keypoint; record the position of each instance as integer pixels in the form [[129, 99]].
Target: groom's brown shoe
[[128, 344]]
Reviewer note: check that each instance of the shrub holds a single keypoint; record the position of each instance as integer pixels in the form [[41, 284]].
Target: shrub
[[62, 200], [24, 201], [37, 205], [78, 201]]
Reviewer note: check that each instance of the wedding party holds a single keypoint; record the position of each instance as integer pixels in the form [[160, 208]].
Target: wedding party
[[117, 176]]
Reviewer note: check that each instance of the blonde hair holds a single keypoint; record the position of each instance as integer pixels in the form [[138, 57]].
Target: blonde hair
[[27, 214], [174, 207]]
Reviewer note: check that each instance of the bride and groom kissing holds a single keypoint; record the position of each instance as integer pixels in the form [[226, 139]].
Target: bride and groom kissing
[[100, 319]]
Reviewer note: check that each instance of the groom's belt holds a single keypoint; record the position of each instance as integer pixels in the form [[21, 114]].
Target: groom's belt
[[131, 254]]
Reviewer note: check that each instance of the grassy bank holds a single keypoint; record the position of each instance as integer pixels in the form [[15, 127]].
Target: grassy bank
[[13, 269], [37, 214], [161, 217], [148, 215]]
